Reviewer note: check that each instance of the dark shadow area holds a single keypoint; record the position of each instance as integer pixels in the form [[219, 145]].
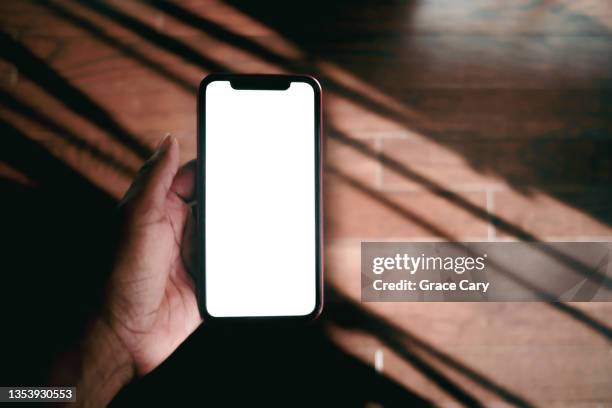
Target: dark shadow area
[[62, 234], [263, 365], [73, 98], [502, 131], [59, 236]]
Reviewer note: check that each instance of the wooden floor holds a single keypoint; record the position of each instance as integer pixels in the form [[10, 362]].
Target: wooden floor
[[444, 119]]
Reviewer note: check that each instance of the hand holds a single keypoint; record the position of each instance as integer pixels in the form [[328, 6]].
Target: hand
[[150, 307]]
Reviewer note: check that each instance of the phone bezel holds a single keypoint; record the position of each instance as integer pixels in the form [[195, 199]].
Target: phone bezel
[[266, 82]]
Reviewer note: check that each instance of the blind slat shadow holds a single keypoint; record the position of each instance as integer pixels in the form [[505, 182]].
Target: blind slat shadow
[[499, 222], [62, 131], [161, 40], [152, 35], [473, 209], [130, 52], [576, 314], [347, 314], [360, 33], [305, 65], [219, 32], [72, 232], [66, 93], [80, 103]]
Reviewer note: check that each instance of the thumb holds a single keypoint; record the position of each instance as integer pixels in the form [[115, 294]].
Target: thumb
[[146, 197]]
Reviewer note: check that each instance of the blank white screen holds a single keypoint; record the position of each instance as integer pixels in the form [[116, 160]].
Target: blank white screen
[[260, 201]]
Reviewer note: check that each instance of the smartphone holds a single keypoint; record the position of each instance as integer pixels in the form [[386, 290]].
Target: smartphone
[[260, 197]]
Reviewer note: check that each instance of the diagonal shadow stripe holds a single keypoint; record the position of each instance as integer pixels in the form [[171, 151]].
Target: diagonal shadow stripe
[[439, 190], [574, 312], [73, 98], [218, 31], [221, 33], [386, 390], [469, 207], [167, 42], [436, 376], [30, 113], [551, 300], [20, 151], [130, 52], [398, 167], [346, 313], [499, 222]]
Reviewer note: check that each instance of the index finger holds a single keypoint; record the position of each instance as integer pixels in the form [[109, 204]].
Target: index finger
[[183, 184]]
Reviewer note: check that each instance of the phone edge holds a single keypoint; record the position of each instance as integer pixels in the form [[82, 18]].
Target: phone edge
[[319, 204]]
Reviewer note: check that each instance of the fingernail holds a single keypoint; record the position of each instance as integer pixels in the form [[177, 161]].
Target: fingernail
[[165, 143]]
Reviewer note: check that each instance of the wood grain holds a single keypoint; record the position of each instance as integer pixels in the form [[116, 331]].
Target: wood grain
[[508, 106]]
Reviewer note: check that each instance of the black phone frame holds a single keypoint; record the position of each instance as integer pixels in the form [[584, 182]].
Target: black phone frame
[[264, 82]]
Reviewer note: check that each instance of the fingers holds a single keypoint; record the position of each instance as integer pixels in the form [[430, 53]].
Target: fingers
[[148, 192], [184, 182], [157, 185], [188, 249], [184, 187]]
